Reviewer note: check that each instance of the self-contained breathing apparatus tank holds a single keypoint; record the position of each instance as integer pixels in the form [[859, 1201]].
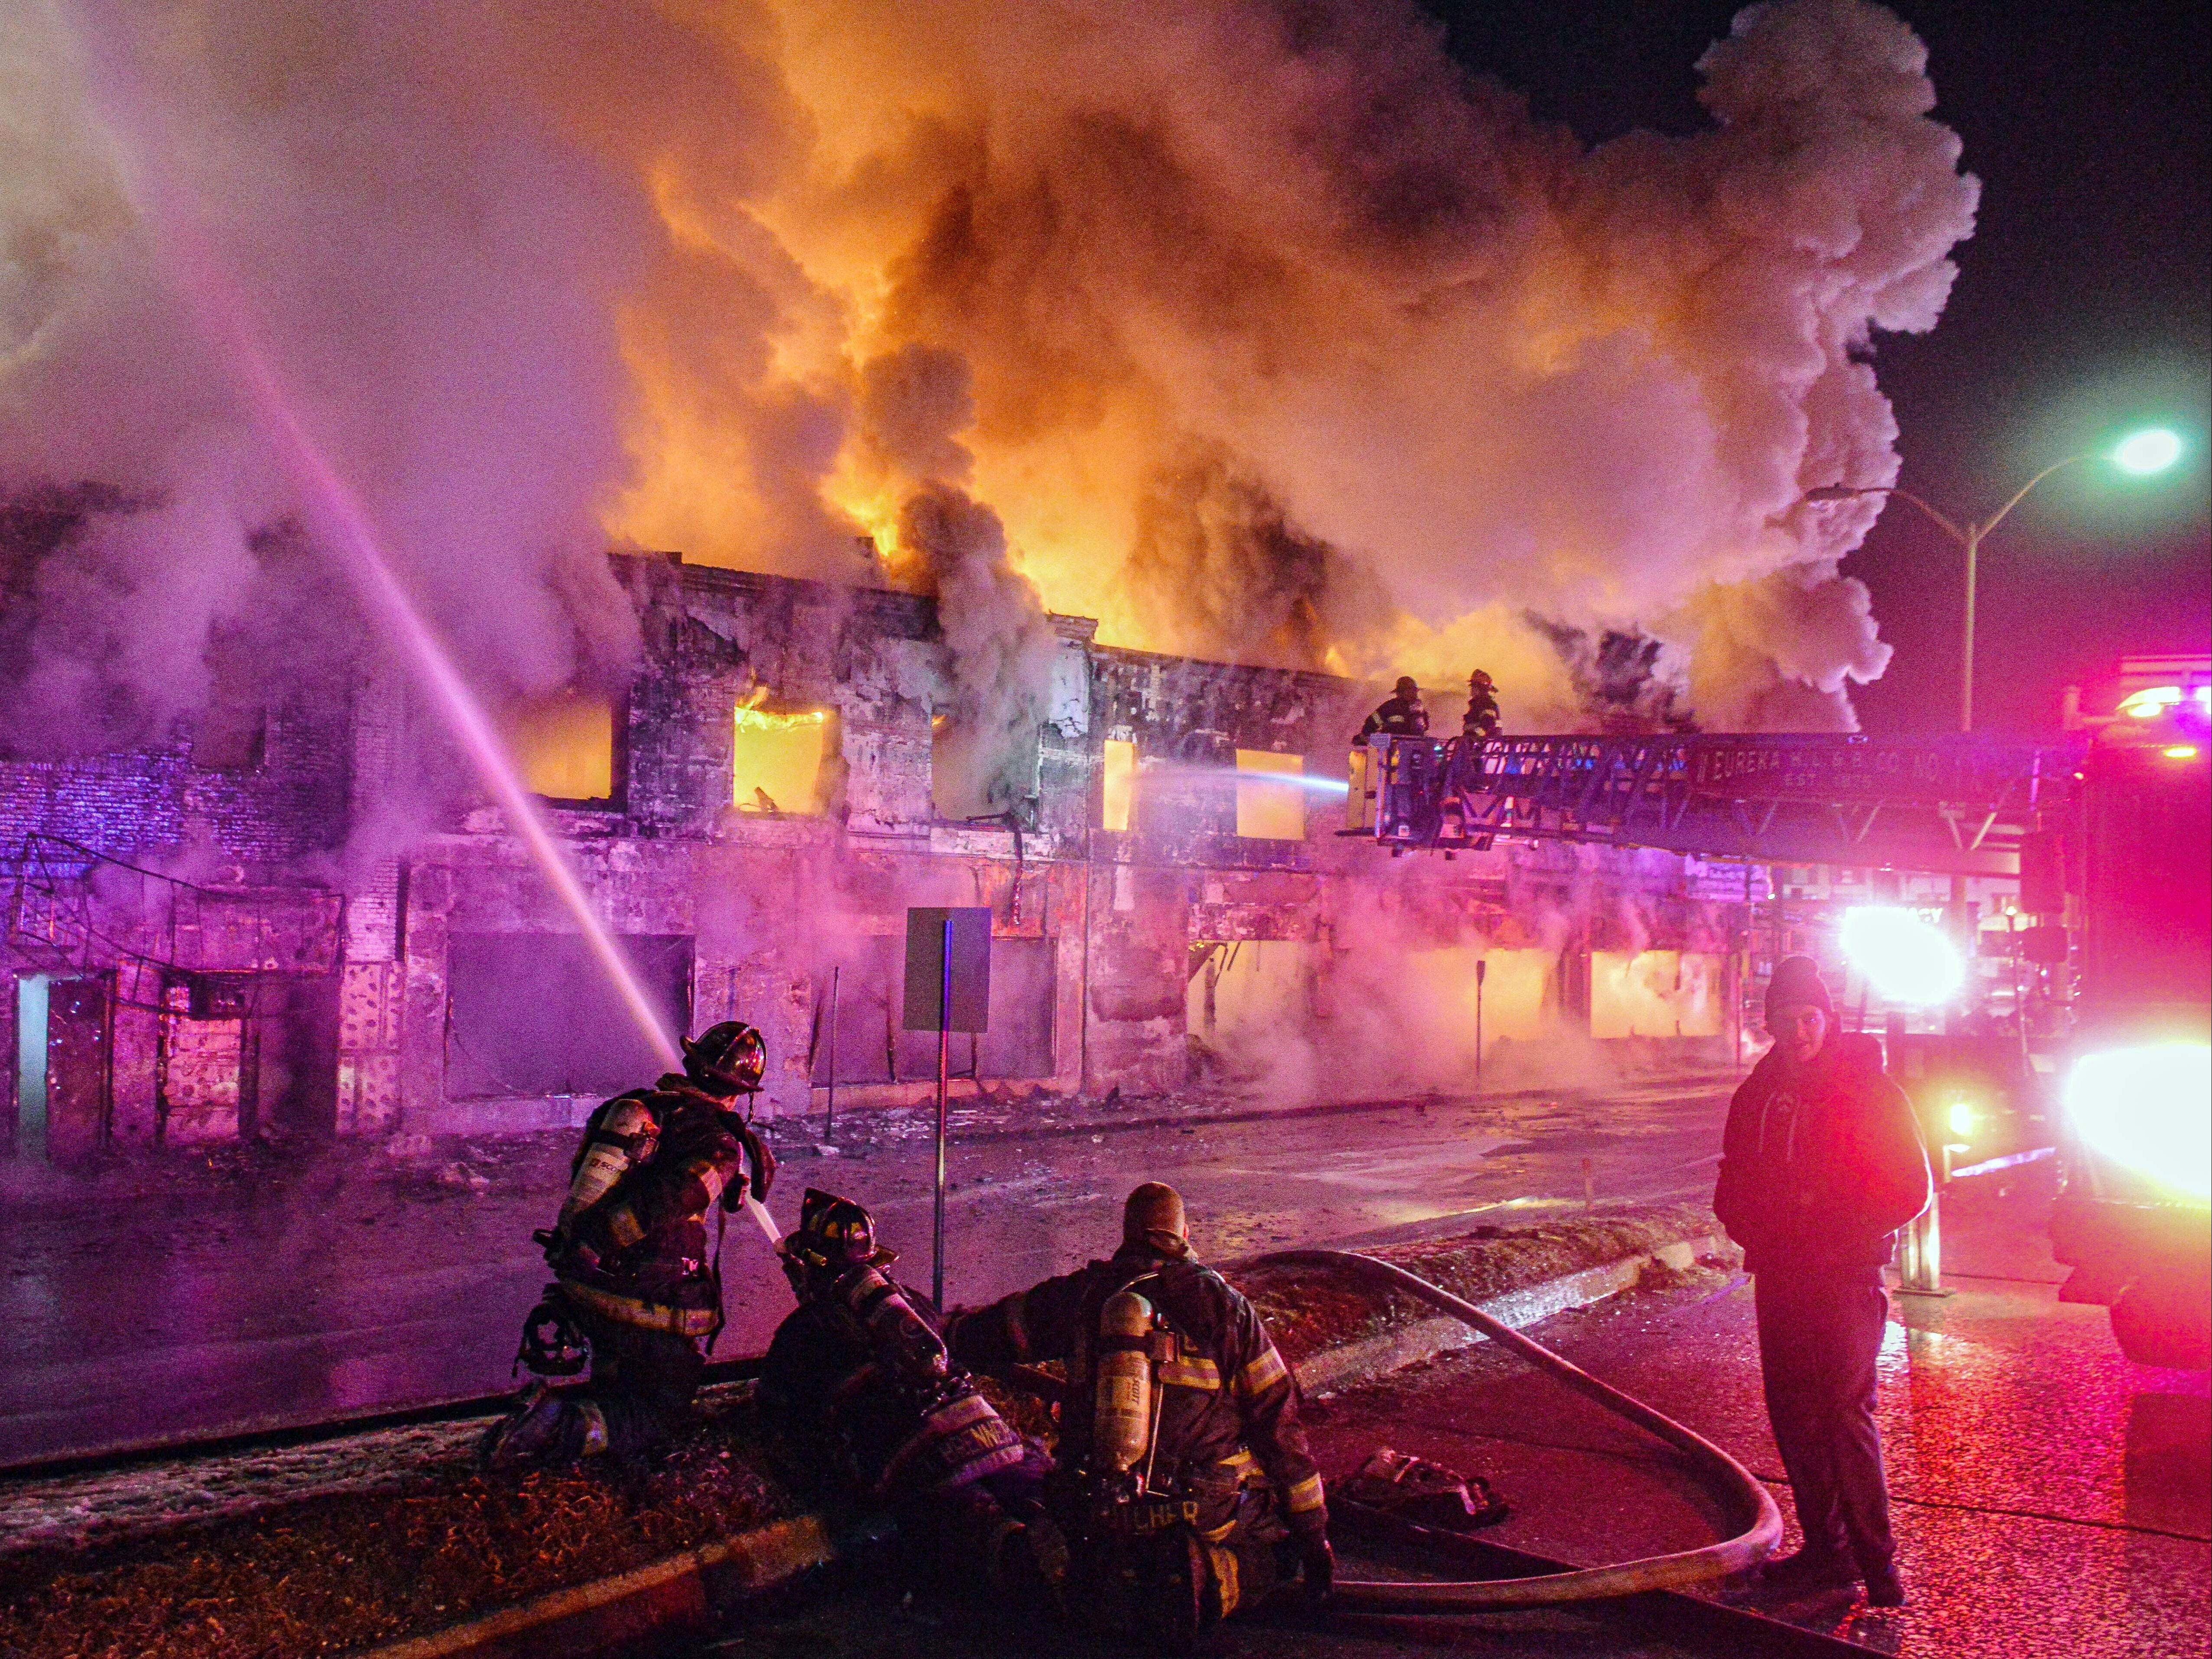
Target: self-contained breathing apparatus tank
[[1134, 1342], [1121, 1416], [1137, 1556], [625, 1133]]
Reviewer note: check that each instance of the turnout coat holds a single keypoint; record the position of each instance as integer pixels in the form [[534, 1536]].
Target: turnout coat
[[1229, 1411]]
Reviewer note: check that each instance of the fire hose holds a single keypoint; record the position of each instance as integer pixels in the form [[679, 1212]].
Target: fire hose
[[1737, 1485]]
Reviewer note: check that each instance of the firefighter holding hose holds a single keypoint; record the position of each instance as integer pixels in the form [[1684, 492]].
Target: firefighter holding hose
[[863, 1399], [1184, 1483], [636, 1287], [1401, 715]]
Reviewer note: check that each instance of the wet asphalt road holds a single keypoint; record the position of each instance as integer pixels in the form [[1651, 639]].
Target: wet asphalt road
[[182, 1298], [2050, 1499]]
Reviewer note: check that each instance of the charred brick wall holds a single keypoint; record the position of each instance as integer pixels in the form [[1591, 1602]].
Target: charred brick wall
[[765, 911], [268, 817]]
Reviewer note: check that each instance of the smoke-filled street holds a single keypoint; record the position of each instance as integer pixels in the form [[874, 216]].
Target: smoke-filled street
[[832, 828], [213, 1298]]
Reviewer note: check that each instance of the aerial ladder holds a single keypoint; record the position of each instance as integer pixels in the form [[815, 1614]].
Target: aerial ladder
[[1958, 807], [1962, 806]]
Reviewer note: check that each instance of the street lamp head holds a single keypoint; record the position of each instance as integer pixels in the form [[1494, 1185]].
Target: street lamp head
[[2152, 450]]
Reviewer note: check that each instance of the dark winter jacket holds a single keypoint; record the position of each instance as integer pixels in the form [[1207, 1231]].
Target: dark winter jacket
[[1228, 1400], [1481, 719], [1821, 1169], [631, 1243], [858, 1386]]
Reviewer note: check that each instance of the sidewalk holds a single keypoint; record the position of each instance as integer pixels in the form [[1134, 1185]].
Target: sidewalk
[[2050, 1498]]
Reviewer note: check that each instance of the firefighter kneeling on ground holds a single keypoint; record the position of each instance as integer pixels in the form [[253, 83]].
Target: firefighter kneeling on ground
[[863, 1399], [635, 1286], [1184, 1482]]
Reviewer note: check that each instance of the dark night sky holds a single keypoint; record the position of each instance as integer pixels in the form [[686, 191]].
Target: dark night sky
[[2083, 306]]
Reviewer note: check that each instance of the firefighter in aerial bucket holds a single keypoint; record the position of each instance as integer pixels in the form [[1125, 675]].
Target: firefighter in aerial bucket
[[1481, 721], [863, 1402], [1401, 715], [1183, 1483], [637, 1289]]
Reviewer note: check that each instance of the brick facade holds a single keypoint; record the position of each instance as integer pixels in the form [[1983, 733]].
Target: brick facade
[[269, 973]]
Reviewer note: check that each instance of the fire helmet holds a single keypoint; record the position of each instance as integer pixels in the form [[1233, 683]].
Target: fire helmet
[[728, 1058], [1406, 687], [834, 1234], [1481, 677]]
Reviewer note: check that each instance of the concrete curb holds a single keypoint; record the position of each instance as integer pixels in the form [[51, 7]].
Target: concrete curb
[[689, 1594], [1335, 1370], [683, 1594]]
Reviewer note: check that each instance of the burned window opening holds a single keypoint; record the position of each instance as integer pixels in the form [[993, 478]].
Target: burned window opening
[[783, 761], [570, 748], [533, 1015]]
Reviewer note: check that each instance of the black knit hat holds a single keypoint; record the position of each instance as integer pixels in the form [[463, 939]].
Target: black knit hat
[[1797, 984]]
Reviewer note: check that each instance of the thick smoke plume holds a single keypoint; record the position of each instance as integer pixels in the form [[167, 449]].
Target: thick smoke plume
[[1255, 328]]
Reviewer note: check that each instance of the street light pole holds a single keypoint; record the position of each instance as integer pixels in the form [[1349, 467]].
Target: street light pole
[[2141, 455], [1968, 535]]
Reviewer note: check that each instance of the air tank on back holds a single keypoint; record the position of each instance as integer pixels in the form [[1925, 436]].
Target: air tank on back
[[1121, 1420]]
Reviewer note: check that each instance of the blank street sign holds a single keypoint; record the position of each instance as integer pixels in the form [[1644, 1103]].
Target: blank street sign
[[925, 935]]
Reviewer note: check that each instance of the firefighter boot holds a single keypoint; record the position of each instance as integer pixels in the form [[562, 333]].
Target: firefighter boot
[[543, 1428]]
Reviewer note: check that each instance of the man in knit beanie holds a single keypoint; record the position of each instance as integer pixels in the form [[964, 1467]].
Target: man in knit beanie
[[1820, 1164]]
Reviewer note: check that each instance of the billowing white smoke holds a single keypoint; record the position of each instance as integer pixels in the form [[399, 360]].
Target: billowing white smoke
[[999, 649], [430, 268], [1252, 327]]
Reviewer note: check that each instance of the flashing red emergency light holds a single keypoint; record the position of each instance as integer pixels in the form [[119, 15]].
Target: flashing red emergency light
[[2150, 1109]]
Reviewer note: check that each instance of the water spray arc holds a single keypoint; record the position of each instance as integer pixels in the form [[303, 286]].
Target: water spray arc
[[347, 529]]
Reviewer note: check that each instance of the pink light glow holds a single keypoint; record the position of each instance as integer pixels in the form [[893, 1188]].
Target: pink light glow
[[134, 122]]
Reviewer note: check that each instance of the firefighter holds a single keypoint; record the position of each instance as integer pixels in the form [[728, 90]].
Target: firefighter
[[636, 1287], [1183, 1484], [862, 1400], [1821, 1162], [1481, 720], [1401, 716]]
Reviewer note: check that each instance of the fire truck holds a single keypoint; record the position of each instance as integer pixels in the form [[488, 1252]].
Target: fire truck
[[2134, 1216], [2108, 838]]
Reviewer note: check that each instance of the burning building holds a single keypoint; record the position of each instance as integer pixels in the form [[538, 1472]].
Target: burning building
[[1265, 334], [191, 962]]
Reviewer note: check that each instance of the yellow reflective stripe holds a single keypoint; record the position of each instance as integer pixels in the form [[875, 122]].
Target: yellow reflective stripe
[[1191, 1372], [1262, 1373], [623, 1226], [709, 1175], [1227, 1580], [646, 1315], [1306, 1497]]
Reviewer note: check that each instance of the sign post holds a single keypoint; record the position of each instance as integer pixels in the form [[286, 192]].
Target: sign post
[[829, 1123], [1481, 973], [948, 990]]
